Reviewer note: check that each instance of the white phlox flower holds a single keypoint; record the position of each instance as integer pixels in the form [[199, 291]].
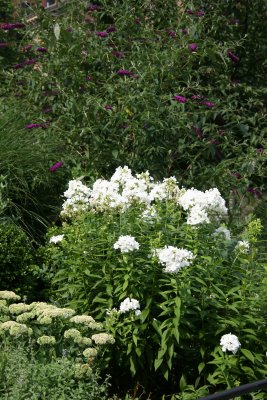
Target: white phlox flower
[[243, 246], [126, 244], [222, 231], [230, 342], [174, 258], [130, 305], [56, 239]]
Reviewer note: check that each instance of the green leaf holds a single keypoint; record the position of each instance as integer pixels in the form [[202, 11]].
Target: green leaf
[[200, 367], [157, 363], [182, 383], [248, 354]]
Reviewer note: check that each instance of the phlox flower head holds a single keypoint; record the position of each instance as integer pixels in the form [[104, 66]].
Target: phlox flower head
[[130, 305], [222, 231], [174, 258], [126, 244], [242, 246], [230, 342], [56, 239]]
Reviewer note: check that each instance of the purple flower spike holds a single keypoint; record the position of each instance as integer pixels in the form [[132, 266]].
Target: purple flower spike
[[198, 132], [255, 192], [33, 126], [189, 12], [7, 27], [89, 78], [56, 166], [108, 107], [180, 99], [93, 7], [193, 47], [200, 13], [197, 97], [171, 33], [27, 47], [102, 34], [69, 29], [124, 72], [137, 21], [237, 175], [232, 56], [42, 49], [118, 54], [3, 45], [184, 31], [209, 104], [111, 29]]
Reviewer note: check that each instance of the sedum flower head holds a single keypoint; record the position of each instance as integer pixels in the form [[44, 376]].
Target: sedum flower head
[[14, 328], [126, 244], [3, 307], [25, 317], [103, 338], [73, 333], [82, 319], [19, 308], [46, 340], [174, 259], [8, 295], [230, 342], [90, 352]]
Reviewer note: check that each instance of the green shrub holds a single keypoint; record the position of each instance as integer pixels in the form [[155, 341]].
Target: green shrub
[[16, 256], [172, 328], [24, 377]]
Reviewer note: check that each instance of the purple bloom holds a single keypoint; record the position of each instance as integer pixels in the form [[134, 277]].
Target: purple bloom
[[124, 72], [102, 34], [51, 93], [18, 66], [255, 192], [200, 13], [207, 103], [69, 29], [30, 62], [108, 107], [197, 97], [198, 132], [184, 31], [237, 175], [89, 78], [118, 54], [7, 26], [111, 29], [137, 21], [56, 166], [232, 56], [214, 141], [193, 47], [47, 110], [3, 45], [180, 99], [189, 12], [171, 33], [93, 7], [33, 126], [27, 47], [221, 132], [42, 49]]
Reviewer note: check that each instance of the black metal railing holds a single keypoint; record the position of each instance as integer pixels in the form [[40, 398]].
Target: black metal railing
[[237, 391]]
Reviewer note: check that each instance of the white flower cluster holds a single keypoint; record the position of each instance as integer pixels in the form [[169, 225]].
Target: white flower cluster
[[77, 198], [173, 258], [124, 190], [56, 239], [77, 337], [126, 244], [14, 328], [222, 231], [200, 205], [120, 192], [243, 246], [8, 295], [103, 338], [46, 340], [129, 305], [230, 342]]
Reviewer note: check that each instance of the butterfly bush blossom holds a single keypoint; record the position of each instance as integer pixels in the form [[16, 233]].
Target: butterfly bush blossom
[[126, 244], [230, 342], [174, 258]]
